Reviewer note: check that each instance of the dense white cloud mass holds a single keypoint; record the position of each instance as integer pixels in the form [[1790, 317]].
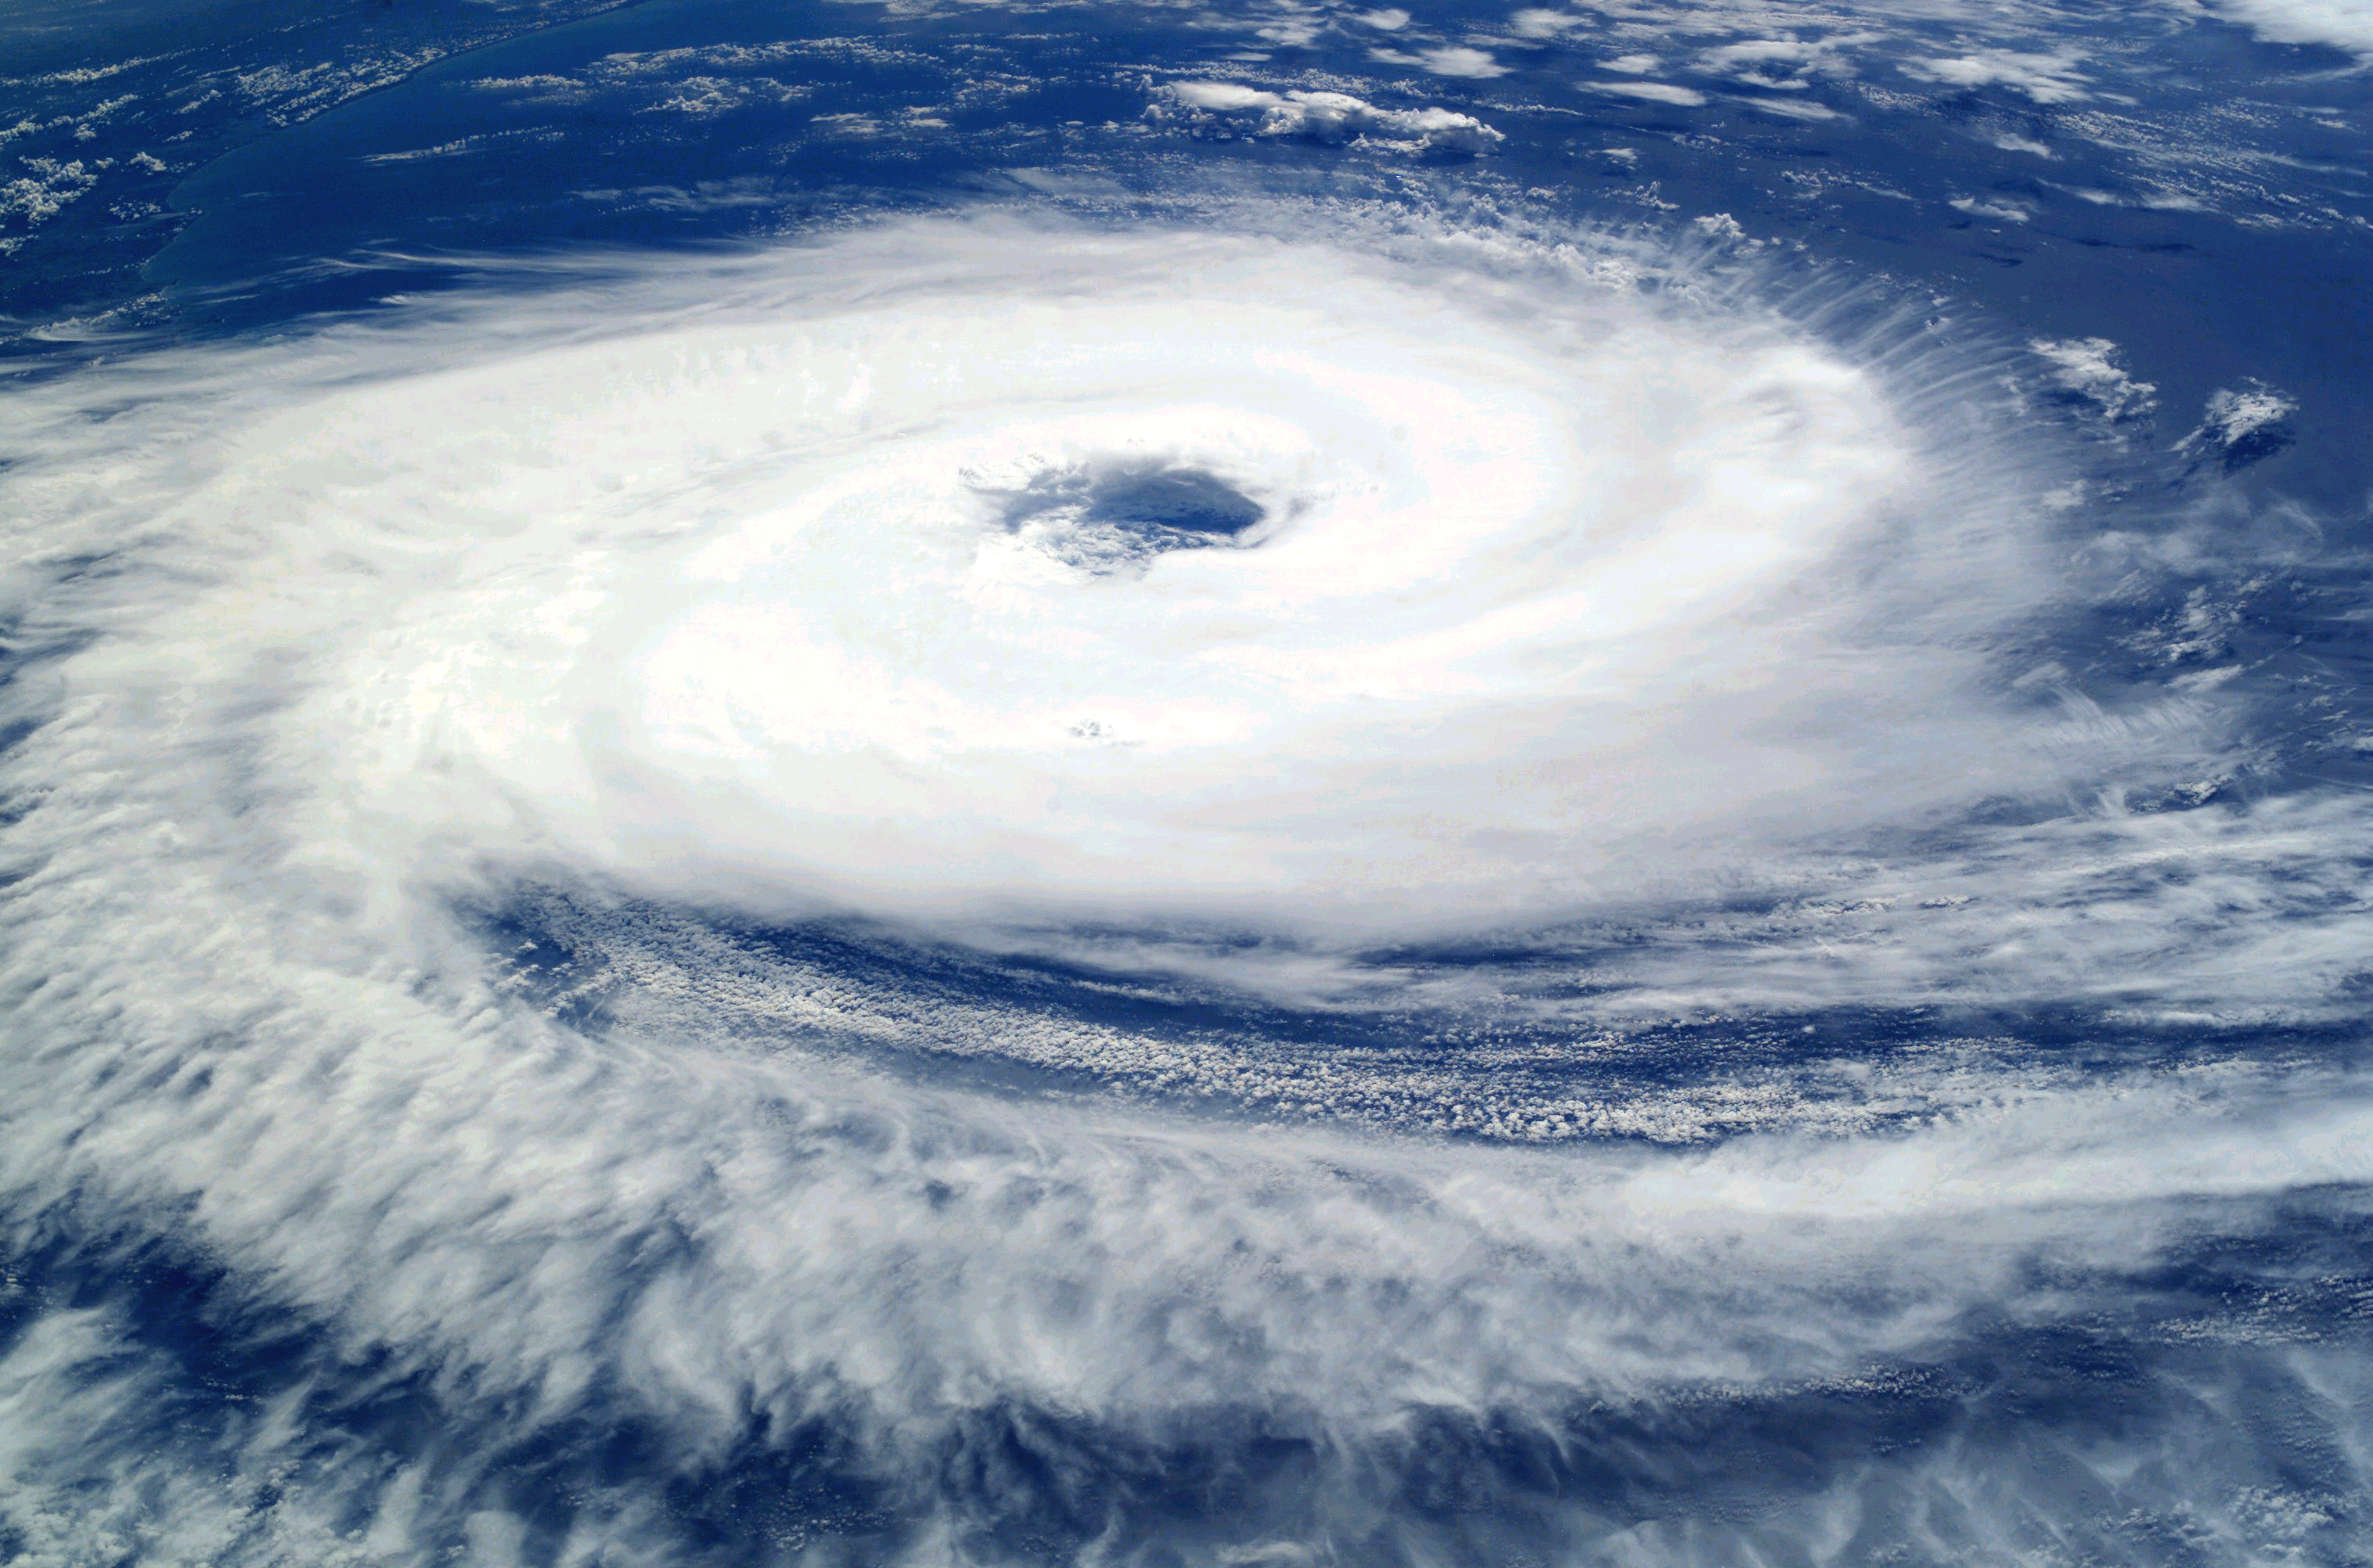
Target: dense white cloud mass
[[1274, 587], [2341, 24], [1052, 587], [1201, 577]]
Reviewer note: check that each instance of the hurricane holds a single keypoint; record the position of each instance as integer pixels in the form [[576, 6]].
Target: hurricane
[[1067, 785]]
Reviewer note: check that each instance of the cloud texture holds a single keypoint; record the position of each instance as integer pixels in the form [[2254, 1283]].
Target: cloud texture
[[1250, 609]]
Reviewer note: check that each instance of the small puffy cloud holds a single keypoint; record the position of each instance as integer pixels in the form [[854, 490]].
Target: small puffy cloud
[[1793, 109], [1539, 23], [1458, 62], [1221, 97], [2046, 78], [2242, 424], [1630, 64], [709, 80], [719, 95], [2158, 199], [1291, 32], [2236, 414], [1390, 20], [545, 89], [47, 187], [1447, 60], [1780, 65], [1758, 50], [1340, 117], [2086, 370], [1654, 92], [1998, 210]]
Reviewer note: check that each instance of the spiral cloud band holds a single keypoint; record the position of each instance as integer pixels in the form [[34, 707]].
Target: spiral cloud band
[[1182, 615], [1124, 576]]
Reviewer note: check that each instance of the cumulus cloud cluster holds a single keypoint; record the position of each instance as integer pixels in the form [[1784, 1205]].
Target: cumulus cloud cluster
[[2242, 424], [1338, 117], [2087, 370], [2043, 78]]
